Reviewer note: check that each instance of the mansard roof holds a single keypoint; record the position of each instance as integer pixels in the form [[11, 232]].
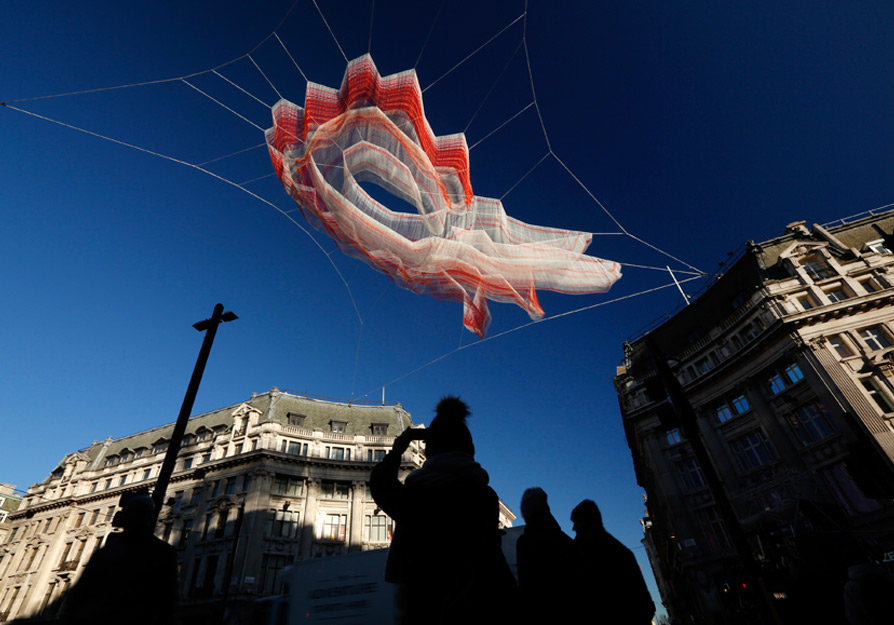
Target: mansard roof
[[275, 406]]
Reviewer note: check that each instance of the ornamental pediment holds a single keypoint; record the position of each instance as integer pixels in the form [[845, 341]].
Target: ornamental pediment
[[802, 248]]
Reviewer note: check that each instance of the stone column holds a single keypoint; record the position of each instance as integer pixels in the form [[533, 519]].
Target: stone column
[[311, 497], [355, 538]]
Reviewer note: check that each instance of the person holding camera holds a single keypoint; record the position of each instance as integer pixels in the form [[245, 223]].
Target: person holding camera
[[445, 554]]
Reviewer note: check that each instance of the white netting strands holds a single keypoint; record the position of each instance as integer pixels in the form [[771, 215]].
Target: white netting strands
[[459, 246]]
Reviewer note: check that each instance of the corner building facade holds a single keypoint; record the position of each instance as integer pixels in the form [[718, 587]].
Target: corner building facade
[[788, 363], [256, 487]]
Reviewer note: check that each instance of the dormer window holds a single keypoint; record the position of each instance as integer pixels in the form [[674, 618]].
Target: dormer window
[[125, 457], [111, 460], [293, 418], [379, 429], [339, 426], [816, 267], [878, 246], [160, 446], [203, 435]]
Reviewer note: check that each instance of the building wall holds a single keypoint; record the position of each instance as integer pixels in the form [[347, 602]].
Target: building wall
[[285, 474], [786, 361]]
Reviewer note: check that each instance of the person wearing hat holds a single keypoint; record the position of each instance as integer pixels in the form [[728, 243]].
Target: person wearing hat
[[445, 555]]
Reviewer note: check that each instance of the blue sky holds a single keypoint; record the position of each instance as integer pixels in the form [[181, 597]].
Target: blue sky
[[699, 125]]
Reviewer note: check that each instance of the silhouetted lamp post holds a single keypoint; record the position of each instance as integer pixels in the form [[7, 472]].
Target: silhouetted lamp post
[[209, 327]]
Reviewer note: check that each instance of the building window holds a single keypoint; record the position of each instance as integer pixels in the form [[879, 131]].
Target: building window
[[283, 523], [203, 435], [793, 373], [806, 302], [816, 267], [196, 495], [338, 453], [810, 424], [222, 518], [674, 436], [704, 365], [691, 474], [94, 517], [870, 285], [147, 473], [875, 338], [139, 452], [879, 396], [185, 532], [732, 408], [840, 346], [294, 448], [334, 527], [288, 486], [246, 482], [836, 294], [778, 382], [715, 532], [187, 464], [160, 446], [215, 489], [108, 484], [79, 520], [230, 487], [375, 455], [380, 429], [878, 246], [94, 486], [206, 458], [752, 450], [187, 440], [125, 457], [122, 481], [376, 528], [339, 426], [271, 573], [294, 418], [111, 460], [334, 490]]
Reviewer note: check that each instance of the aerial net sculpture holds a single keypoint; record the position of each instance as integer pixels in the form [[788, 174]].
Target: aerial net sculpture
[[458, 246]]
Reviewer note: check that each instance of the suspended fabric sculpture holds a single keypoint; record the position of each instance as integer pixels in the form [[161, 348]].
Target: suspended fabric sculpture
[[459, 246]]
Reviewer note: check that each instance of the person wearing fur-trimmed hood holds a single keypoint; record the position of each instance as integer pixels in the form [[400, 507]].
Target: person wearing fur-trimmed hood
[[445, 554]]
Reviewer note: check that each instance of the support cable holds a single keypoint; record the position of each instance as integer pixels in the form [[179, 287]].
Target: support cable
[[520, 327], [476, 51], [291, 58], [334, 38], [159, 81], [221, 104], [205, 171], [428, 36]]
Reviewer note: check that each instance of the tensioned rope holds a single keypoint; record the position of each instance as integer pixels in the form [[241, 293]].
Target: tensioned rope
[[204, 171], [520, 327]]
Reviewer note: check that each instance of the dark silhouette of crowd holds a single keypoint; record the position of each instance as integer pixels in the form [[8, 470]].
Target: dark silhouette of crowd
[[446, 555]]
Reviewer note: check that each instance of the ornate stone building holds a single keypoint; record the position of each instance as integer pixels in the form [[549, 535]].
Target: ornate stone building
[[787, 362], [258, 485]]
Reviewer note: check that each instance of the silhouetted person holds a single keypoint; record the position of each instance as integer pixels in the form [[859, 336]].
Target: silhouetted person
[[544, 555], [608, 572], [446, 552], [132, 579]]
